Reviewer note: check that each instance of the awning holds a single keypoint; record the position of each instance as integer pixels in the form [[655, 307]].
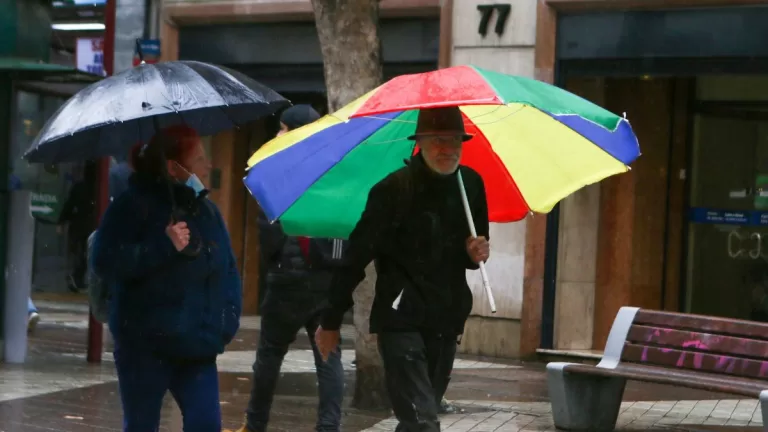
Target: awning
[[27, 70]]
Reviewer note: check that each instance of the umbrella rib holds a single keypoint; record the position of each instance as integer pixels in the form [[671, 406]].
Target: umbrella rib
[[321, 174], [165, 84], [234, 80], [326, 172], [201, 78], [505, 170], [235, 125], [571, 179], [552, 116]]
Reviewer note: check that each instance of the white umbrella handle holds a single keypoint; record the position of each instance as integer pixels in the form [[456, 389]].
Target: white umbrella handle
[[473, 231]]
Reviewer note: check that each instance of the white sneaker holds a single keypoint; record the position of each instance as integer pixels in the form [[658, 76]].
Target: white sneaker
[[34, 318]]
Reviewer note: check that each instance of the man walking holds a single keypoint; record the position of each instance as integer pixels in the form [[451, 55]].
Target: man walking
[[415, 231], [299, 272]]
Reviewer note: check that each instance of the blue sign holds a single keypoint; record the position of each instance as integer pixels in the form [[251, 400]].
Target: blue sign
[[150, 47], [728, 217]]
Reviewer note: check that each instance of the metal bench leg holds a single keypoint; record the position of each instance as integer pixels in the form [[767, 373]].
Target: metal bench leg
[[764, 408], [583, 402]]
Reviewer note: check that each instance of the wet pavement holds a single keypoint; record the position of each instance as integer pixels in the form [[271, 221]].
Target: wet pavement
[[58, 391]]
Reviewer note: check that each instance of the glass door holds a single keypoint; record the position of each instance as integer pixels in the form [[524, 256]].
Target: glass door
[[728, 224]]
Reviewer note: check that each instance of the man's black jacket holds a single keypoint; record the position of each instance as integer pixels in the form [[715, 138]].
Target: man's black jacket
[[288, 273], [415, 229]]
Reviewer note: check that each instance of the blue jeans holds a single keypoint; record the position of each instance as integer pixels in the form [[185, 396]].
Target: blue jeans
[[279, 326], [144, 379], [30, 306]]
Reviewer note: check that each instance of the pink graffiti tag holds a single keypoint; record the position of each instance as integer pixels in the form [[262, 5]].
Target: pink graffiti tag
[[697, 357]]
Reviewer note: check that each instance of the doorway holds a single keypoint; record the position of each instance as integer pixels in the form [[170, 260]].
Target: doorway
[[727, 262]]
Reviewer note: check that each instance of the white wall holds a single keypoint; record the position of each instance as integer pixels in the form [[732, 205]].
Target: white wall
[[512, 53]]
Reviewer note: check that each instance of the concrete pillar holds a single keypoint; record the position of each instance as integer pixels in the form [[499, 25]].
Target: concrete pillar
[[130, 18], [511, 52], [20, 248]]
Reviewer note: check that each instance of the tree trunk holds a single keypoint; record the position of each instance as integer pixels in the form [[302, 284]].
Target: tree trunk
[[349, 40]]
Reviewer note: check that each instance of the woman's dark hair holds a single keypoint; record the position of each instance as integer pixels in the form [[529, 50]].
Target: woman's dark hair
[[171, 144]]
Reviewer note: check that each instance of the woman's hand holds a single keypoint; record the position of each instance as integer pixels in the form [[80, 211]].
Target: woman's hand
[[179, 235]]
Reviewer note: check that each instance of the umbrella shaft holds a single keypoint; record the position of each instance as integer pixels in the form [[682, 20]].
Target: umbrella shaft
[[473, 231]]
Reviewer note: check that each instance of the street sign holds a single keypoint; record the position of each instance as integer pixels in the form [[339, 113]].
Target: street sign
[[150, 49]]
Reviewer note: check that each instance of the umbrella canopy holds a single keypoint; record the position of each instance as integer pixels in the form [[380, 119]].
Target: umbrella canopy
[[534, 144], [108, 117]]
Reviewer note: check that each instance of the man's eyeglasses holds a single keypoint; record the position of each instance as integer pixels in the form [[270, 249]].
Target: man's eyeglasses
[[449, 140]]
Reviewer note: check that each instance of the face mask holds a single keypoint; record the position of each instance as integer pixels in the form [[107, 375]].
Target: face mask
[[195, 183]]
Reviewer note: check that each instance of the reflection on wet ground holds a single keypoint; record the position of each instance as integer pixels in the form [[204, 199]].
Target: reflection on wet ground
[[58, 391]]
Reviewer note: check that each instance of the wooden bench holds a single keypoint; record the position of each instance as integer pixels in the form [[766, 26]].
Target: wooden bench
[[694, 351]]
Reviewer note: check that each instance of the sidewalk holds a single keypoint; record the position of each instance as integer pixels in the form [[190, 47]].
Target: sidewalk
[[712, 415], [58, 390]]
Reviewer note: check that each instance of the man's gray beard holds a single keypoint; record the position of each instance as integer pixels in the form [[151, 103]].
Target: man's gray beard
[[453, 170]]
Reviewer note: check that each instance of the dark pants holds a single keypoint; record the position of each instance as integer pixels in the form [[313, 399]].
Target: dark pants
[[78, 249], [280, 322], [144, 379], [418, 368]]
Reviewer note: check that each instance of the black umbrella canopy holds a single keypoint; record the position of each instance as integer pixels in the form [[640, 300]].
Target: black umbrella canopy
[[108, 117]]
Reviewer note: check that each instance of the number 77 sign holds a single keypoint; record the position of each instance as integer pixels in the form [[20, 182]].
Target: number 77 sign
[[486, 13]]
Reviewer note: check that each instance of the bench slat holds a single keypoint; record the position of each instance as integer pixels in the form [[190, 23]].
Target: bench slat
[[703, 362], [712, 325], [683, 378], [699, 341]]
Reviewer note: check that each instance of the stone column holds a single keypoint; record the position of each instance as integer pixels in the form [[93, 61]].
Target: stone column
[[18, 276], [510, 50], [130, 18]]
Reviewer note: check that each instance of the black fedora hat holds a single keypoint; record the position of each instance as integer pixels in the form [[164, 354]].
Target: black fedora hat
[[445, 121]]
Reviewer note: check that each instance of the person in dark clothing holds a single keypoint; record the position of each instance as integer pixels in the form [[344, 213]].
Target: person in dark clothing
[[299, 272], [296, 117], [119, 175], [415, 230], [175, 292], [79, 213]]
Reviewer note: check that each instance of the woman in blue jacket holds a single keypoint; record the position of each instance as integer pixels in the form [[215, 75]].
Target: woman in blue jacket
[[175, 289]]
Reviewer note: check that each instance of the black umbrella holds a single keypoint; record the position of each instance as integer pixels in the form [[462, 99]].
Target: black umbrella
[[108, 117]]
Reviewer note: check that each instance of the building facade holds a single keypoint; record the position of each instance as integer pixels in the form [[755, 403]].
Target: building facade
[[683, 230]]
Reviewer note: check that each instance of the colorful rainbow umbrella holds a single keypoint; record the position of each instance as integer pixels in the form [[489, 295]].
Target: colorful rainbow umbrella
[[534, 144]]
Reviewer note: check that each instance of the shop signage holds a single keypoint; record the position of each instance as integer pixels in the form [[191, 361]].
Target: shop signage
[[728, 217], [150, 49], [90, 55], [69, 3], [45, 205], [487, 12]]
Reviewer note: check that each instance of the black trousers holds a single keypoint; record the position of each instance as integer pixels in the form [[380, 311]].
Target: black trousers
[[418, 368]]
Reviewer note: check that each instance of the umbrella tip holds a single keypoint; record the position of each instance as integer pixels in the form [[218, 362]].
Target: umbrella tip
[[624, 114]]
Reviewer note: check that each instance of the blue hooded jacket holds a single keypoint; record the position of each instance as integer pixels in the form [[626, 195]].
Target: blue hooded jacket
[[161, 300]]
